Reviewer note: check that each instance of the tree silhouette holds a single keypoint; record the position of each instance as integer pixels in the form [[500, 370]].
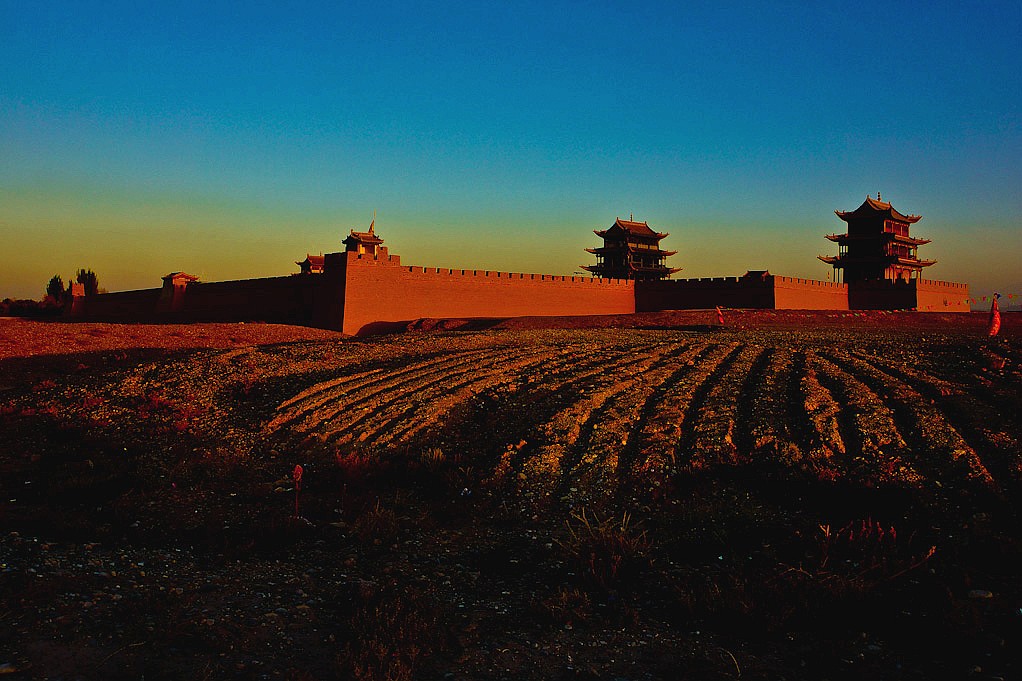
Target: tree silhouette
[[55, 289], [89, 280]]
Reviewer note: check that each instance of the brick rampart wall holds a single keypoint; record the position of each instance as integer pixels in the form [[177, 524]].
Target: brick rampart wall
[[121, 306], [881, 295], [385, 291], [941, 296], [751, 292], [701, 294], [272, 299], [924, 295], [292, 300], [792, 293], [327, 308]]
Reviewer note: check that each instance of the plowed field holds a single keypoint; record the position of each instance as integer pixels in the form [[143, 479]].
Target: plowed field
[[800, 496]]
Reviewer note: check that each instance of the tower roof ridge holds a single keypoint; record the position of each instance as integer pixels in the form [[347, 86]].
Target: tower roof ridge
[[874, 206]]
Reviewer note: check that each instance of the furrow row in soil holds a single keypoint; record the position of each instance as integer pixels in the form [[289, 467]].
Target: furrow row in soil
[[642, 463], [360, 416], [340, 393], [567, 411], [936, 449], [815, 416], [876, 447], [418, 415], [461, 424], [1000, 453], [657, 455], [754, 394], [699, 415], [768, 434], [596, 455], [716, 423]]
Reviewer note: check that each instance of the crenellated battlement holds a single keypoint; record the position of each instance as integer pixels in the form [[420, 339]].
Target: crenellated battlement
[[387, 260], [755, 289], [518, 276], [710, 281], [814, 283], [943, 284]]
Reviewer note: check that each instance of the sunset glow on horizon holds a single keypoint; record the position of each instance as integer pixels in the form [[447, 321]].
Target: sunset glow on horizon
[[137, 140]]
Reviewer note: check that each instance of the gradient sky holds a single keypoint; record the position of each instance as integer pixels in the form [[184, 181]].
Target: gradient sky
[[138, 139]]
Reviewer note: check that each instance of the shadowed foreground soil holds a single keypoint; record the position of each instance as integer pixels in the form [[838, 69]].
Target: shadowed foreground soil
[[790, 496]]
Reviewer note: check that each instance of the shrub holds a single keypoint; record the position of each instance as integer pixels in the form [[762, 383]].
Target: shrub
[[608, 552], [847, 565], [377, 525], [433, 459], [394, 634]]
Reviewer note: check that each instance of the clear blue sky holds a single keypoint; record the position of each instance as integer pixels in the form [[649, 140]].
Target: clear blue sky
[[229, 140]]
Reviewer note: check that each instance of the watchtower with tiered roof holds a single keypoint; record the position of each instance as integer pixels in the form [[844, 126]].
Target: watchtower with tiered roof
[[363, 243], [877, 246], [631, 250]]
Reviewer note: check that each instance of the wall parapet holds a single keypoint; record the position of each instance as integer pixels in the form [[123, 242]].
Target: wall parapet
[[814, 283], [356, 260], [517, 276], [732, 281], [943, 284]]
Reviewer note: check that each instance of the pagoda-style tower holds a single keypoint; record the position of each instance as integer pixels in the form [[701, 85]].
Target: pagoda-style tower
[[631, 250], [363, 243], [313, 264], [877, 245]]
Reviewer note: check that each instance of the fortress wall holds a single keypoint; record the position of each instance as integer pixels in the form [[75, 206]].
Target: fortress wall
[[924, 295], [357, 291], [792, 293], [701, 294], [385, 291], [881, 295], [273, 299], [291, 299], [941, 296], [121, 306], [326, 292]]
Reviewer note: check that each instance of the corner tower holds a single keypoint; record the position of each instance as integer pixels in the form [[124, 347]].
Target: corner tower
[[364, 243], [631, 250], [877, 245]]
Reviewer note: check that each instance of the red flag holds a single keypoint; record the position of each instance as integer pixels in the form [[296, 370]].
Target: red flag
[[995, 317], [298, 485], [720, 316]]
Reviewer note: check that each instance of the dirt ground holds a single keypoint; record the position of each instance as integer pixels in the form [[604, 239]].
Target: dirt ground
[[792, 495]]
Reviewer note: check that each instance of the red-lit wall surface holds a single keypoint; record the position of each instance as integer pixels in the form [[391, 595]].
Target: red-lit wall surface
[[383, 290], [792, 293], [941, 296]]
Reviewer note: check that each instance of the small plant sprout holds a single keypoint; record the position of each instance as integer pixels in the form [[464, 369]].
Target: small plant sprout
[[433, 458]]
